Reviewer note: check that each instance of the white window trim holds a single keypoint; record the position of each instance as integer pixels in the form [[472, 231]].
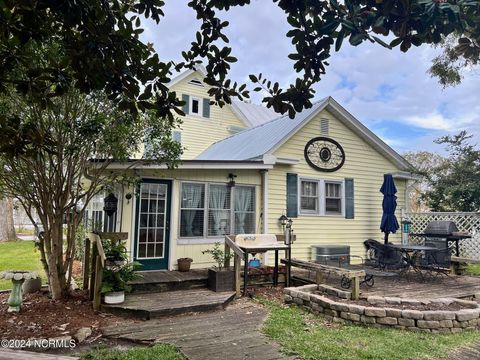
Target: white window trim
[[321, 199], [200, 106], [205, 238]]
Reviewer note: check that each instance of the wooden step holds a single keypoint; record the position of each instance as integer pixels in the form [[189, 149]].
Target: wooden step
[[159, 304], [159, 281]]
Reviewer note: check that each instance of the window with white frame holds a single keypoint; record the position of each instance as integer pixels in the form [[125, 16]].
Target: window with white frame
[[321, 197], [333, 198], [195, 106], [212, 210], [309, 197]]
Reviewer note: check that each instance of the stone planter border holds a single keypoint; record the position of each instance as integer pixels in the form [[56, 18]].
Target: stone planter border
[[380, 315]]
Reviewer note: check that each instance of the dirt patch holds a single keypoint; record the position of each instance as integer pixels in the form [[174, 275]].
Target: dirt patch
[[42, 317], [427, 306], [271, 293]]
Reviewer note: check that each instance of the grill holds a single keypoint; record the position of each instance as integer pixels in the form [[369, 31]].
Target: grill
[[439, 234]]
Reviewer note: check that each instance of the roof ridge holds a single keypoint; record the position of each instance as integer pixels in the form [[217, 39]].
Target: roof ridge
[[267, 122]]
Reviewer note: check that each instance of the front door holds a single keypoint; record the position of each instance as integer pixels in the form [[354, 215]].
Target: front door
[[153, 224]]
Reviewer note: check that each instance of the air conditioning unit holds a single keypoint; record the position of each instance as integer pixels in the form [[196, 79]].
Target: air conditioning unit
[[332, 255]]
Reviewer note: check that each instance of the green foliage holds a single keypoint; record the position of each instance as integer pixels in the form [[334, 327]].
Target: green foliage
[[312, 337], [454, 185], [100, 47], [19, 255], [118, 271], [218, 255], [159, 351]]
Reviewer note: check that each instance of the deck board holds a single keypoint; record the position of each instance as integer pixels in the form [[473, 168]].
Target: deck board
[[150, 305], [231, 334]]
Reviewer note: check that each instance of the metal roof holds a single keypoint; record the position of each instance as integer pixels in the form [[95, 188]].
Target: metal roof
[[253, 143], [253, 114]]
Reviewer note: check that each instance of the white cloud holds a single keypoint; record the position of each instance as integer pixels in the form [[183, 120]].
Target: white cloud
[[385, 87]]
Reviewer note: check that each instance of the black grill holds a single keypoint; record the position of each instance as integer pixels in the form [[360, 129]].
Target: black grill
[[441, 229]]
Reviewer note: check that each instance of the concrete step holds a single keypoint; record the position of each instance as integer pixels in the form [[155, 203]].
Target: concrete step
[[160, 304], [161, 281]]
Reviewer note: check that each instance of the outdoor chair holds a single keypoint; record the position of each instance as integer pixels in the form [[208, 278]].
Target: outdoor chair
[[384, 256], [437, 262]]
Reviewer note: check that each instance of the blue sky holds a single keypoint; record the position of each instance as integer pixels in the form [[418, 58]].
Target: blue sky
[[390, 92]]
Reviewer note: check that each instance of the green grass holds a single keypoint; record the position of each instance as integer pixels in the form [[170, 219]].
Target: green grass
[[311, 337], [19, 255], [157, 352], [473, 269]]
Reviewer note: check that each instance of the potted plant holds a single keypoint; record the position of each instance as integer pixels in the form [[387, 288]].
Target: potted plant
[[118, 272], [115, 282], [220, 278], [184, 264]]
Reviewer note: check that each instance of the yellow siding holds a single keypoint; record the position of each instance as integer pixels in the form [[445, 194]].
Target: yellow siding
[[198, 132], [195, 246], [364, 164]]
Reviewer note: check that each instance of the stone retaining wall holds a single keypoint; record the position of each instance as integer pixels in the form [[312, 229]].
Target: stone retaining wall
[[380, 315]]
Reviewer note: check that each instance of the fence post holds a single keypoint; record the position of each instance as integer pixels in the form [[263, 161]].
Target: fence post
[[86, 263], [93, 262]]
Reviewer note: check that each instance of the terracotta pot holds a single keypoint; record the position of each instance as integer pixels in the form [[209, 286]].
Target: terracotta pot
[[184, 264]]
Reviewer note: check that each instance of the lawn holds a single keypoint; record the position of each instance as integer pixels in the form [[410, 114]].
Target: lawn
[[314, 338], [19, 255], [473, 269], [161, 351]]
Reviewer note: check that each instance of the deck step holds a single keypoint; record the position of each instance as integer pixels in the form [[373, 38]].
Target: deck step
[[160, 281], [159, 304]]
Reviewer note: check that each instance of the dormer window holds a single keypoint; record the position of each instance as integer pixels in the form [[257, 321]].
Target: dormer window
[[195, 106]]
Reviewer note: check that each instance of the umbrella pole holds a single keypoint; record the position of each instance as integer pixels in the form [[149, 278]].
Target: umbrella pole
[[386, 237]]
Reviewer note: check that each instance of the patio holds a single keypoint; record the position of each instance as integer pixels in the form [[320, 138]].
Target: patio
[[413, 286]]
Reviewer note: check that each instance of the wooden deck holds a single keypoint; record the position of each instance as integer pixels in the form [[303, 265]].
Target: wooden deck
[[170, 280], [158, 304], [227, 334], [413, 286]]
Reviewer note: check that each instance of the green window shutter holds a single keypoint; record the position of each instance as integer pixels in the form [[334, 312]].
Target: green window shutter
[[349, 199], [206, 108], [186, 99], [292, 195]]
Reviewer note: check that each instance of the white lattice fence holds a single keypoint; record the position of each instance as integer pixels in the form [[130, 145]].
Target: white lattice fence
[[469, 222]]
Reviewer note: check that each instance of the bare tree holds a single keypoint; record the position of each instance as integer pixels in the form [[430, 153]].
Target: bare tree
[[7, 228]]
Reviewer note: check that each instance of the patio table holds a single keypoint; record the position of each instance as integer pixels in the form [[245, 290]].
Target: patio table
[[412, 254]]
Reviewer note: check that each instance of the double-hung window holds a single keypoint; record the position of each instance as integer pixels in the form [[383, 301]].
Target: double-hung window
[[213, 210], [321, 197], [196, 107]]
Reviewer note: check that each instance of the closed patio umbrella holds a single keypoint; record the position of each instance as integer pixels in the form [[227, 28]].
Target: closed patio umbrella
[[389, 223]]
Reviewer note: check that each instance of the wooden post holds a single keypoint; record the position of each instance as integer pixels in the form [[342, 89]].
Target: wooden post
[[98, 284], [237, 265], [356, 288], [319, 278], [226, 258], [93, 267], [86, 263]]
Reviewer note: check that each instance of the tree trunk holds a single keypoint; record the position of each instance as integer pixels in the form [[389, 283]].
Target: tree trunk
[[7, 228]]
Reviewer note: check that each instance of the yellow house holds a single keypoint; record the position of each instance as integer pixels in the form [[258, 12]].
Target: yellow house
[[243, 167]]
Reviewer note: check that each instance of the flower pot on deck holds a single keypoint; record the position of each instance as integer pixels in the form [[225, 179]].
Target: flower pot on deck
[[184, 264], [116, 297], [220, 280]]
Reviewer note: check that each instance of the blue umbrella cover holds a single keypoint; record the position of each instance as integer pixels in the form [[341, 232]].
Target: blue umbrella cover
[[389, 223]]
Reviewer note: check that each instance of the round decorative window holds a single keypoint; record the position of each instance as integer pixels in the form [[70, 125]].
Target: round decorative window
[[324, 154]]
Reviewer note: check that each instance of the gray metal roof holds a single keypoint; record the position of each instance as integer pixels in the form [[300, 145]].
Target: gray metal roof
[[253, 143], [253, 114]]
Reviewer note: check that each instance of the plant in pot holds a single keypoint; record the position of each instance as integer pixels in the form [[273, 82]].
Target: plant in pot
[[118, 272], [220, 278]]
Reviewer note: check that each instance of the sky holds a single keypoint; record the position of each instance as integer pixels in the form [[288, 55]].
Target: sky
[[388, 91]]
